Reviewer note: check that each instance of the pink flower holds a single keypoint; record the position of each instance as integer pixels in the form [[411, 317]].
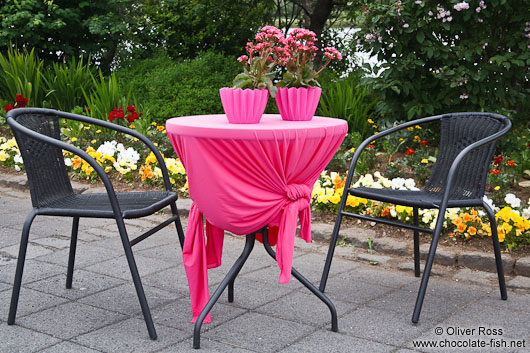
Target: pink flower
[[332, 53], [461, 6], [243, 59]]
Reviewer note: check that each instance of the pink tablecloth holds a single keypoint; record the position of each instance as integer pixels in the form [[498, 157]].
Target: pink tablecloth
[[243, 177]]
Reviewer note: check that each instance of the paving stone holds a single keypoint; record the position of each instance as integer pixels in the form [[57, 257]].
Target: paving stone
[[16, 181], [119, 267], [303, 308], [391, 246], [8, 236], [446, 257], [409, 267], [331, 342], [123, 299], [383, 326], [519, 282], [19, 339], [34, 270], [130, 336], [321, 231], [522, 266], [379, 276], [484, 262], [70, 320], [30, 301], [207, 345], [84, 283], [68, 347], [85, 255], [253, 329], [184, 206], [516, 301], [345, 287], [172, 279], [33, 251], [374, 259], [479, 277], [178, 314], [357, 236], [53, 243]]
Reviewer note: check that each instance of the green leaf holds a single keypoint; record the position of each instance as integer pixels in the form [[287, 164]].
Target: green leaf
[[420, 37]]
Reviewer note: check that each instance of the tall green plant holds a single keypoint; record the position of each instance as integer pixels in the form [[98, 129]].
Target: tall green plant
[[66, 82], [22, 73], [347, 99], [105, 95]]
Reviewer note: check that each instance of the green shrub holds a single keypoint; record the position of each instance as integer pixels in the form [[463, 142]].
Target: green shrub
[[66, 82], [439, 56], [347, 99], [22, 72], [168, 88]]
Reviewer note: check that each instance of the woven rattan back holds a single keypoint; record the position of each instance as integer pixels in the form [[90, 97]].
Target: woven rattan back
[[47, 176], [457, 132]]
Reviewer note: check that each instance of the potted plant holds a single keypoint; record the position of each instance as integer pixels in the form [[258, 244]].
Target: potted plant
[[299, 91], [245, 102]]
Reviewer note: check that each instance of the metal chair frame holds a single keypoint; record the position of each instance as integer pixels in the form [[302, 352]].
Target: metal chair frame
[[442, 206], [117, 213]]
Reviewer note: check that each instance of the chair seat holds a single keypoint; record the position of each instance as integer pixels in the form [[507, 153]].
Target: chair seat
[[132, 204], [419, 198]]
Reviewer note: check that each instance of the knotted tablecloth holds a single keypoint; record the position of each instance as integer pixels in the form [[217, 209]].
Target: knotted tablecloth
[[242, 177]]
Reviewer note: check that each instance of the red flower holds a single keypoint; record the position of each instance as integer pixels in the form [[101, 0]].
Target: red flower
[[410, 152], [21, 100], [497, 160], [8, 107], [528, 145], [511, 163], [424, 142], [495, 172], [132, 117], [119, 113], [131, 108], [370, 146], [112, 114]]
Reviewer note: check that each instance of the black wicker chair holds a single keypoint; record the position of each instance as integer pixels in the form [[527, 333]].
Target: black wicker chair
[[37, 132], [457, 179]]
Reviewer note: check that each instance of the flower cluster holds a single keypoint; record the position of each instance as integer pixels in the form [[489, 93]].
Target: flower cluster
[[461, 6], [10, 154], [20, 102], [118, 113]]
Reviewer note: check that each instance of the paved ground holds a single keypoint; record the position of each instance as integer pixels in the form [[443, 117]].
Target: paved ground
[[101, 312]]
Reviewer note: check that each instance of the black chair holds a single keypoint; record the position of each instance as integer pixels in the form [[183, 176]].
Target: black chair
[[37, 132], [458, 179]]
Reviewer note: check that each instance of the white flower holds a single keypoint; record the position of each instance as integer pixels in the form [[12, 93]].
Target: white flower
[[107, 148], [418, 2], [512, 200], [461, 6], [128, 155], [67, 162], [464, 96], [526, 213], [431, 13], [410, 184], [17, 168], [18, 159], [377, 175], [405, 25], [386, 182], [397, 183], [489, 202]]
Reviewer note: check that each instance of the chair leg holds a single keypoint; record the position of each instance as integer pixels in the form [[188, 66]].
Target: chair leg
[[416, 244], [428, 265], [497, 250], [136, 279], [332, 244], [20, 267], [178, 225], [71, 256]]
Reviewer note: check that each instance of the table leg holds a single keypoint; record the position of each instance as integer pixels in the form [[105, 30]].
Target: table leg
[[249, 245], [305, 282]]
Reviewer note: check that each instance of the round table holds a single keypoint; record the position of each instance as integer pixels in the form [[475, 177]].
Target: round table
[[242, 177]]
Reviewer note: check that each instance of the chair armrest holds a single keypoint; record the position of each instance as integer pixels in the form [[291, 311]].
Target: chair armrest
[[366, 142], [77, 151], [122, 129]]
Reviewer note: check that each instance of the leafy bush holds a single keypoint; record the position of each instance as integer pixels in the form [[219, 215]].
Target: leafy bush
[[168, 88], [348, 99], [22, 73], [66, 83], [448, 56]]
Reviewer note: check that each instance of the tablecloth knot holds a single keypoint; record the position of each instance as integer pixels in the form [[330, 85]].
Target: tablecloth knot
[[298, 191]]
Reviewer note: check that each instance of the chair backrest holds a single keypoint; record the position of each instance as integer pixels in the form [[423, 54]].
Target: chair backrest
[[458, 131], [44, 163]]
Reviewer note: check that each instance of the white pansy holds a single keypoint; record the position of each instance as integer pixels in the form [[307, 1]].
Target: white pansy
[[410, 184], [489, 202], [107, 148], [18, 159], [377, 175], [512, 200], [397, 183], [526, 213], [17, 168], [67, 162]]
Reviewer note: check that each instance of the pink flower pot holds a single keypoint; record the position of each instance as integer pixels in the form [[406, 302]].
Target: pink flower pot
[[244, 106], [298, 103]]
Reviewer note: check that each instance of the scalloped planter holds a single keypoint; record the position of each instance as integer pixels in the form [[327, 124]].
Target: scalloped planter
[[298, 104], [244, 106]]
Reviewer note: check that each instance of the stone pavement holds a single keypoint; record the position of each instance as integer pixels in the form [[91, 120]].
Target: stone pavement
[[101, 311]]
